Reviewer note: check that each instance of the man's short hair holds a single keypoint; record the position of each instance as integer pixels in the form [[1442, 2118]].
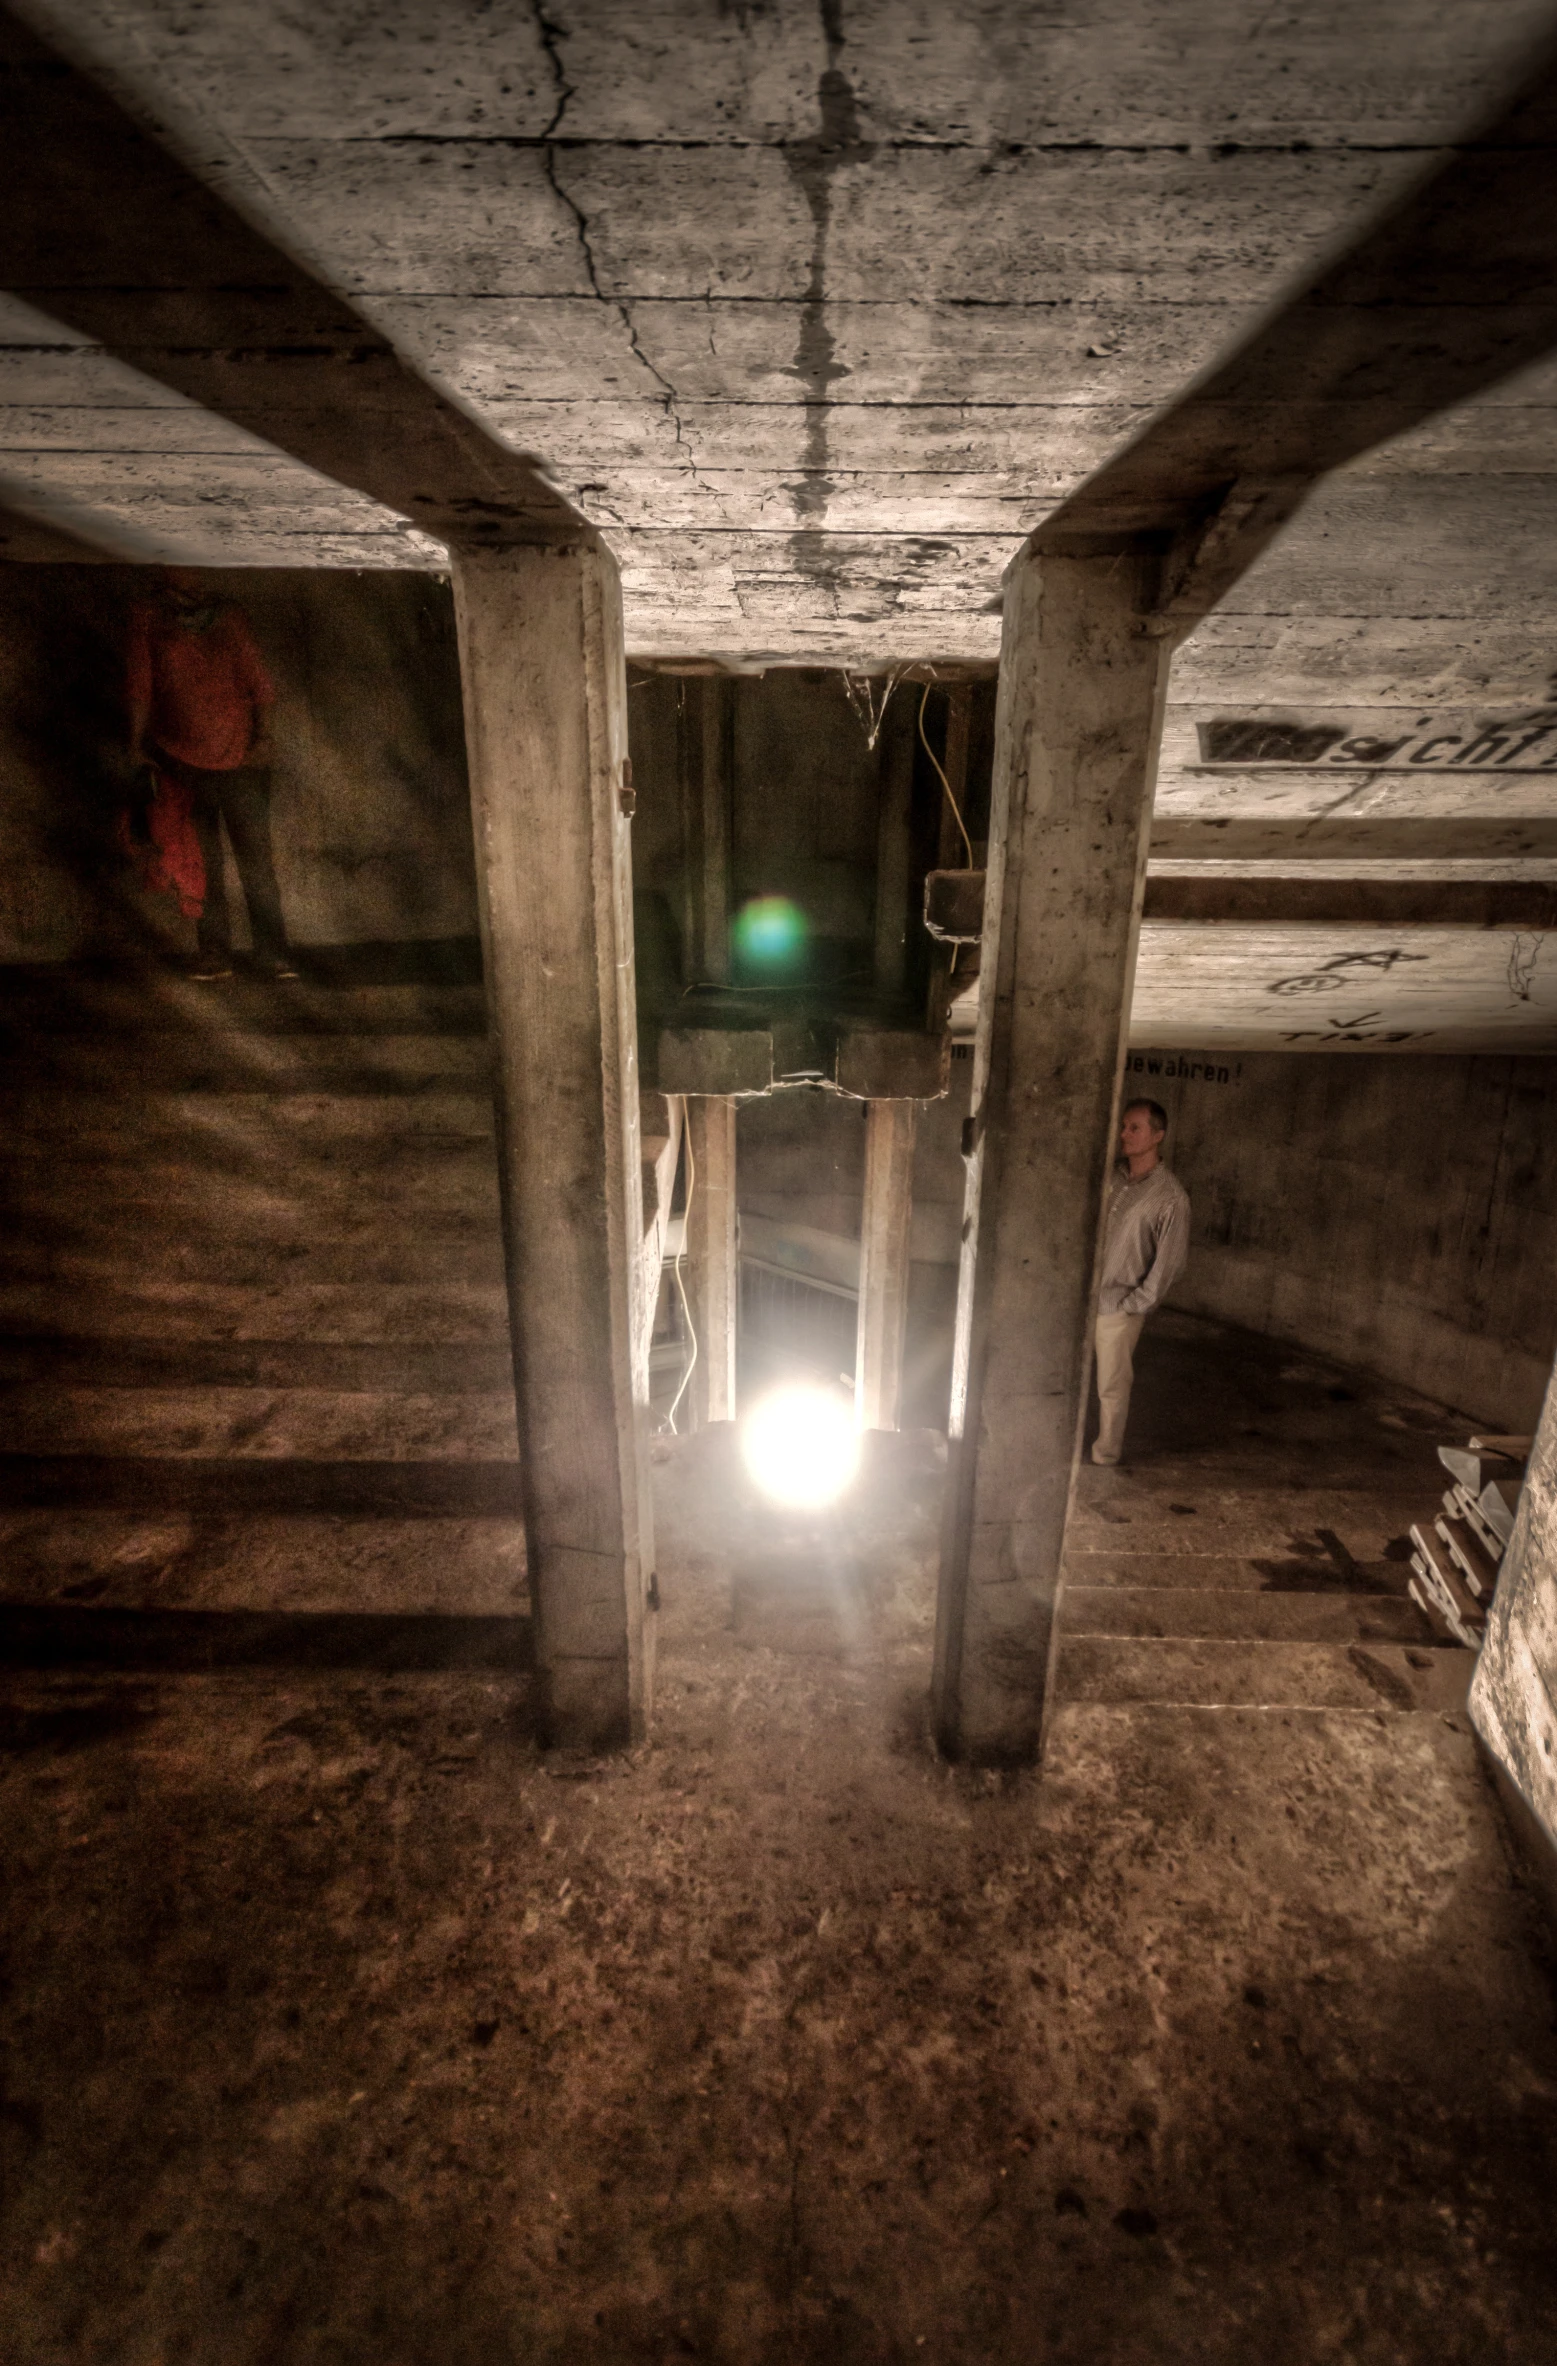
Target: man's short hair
[[1154, 1109]]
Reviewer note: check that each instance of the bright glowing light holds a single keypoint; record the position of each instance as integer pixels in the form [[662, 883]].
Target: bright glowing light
[[770, 934], [801, 1446]]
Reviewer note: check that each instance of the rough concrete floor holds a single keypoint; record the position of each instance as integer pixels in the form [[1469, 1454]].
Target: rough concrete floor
[[345, 2026]]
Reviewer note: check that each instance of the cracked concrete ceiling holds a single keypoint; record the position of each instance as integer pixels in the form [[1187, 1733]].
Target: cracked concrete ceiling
[[815, 311]]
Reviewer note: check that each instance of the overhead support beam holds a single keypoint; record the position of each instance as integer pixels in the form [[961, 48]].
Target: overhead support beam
[[1452, 289], [954, 902], [546, 728], [712, 1271], [1078, 724], [105, 229], [886, 1213], [1379, 840]]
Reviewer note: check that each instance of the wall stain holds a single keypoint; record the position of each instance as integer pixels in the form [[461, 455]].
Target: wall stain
[[812, 164]]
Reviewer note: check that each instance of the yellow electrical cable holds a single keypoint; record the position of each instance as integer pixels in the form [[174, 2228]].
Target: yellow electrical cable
[[945, 783]]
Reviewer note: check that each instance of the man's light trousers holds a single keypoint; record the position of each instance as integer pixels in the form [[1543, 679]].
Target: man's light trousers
[[1114, 1340]]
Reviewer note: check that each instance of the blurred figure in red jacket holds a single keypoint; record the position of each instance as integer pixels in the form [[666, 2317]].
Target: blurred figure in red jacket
[[198, 697]]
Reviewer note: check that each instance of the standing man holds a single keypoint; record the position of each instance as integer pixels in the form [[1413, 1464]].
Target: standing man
[[198, 696], [1145, 1244]]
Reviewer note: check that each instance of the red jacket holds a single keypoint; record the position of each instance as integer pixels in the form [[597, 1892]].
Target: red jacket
[[196, 690]]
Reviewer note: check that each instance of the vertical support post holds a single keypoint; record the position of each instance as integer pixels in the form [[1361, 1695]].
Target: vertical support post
[[1513, 1695], [1078, 724], [895, 774], [950, 851], [884, 1245], [713, 1280], [545, 697], [707, 759]]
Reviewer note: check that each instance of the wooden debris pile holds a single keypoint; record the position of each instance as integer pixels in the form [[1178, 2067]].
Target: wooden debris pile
[[1455, 1559]]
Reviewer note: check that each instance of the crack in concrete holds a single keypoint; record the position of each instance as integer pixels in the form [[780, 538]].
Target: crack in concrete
[[1523, 955], [552, 36], [811, 164], [1218, 151]]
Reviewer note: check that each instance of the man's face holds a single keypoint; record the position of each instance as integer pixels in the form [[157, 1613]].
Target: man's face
[[1137, 1134]]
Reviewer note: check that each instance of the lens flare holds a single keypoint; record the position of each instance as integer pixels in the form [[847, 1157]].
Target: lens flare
[[801, 1446], [770, 935]]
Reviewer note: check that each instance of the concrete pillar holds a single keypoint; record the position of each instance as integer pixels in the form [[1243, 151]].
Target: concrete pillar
[[884, 1247], [712, 1275], [1078, 723], [546, 730]]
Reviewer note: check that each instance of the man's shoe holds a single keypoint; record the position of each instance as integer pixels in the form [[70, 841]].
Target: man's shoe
[[206, 966], [1108, 1461], [281, 967]]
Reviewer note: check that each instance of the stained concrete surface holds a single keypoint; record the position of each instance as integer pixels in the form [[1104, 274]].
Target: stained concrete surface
[[346, 2025]]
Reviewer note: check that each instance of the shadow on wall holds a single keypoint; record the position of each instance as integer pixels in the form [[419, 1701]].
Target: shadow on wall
[[370, 811]]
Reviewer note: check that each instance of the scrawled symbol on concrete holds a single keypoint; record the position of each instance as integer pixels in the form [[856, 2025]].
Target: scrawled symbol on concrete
[[1331, 975], [1362, 1027], [1523, 954]]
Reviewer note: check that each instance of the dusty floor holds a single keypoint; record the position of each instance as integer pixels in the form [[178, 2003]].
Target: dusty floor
[[343, 2025]]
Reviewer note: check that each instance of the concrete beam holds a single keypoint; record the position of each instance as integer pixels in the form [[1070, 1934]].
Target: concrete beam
[[1303, 844], [1518, 904], [546, 729], [105, 229], [886, 1214], [712, 1270], [1080, 715], [1451, 289]]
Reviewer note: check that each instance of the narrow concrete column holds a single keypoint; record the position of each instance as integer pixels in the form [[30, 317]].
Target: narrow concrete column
[[546, 731], [706, 756], [884, 1244], [895, 774], [1078, 723], [713, 1281]]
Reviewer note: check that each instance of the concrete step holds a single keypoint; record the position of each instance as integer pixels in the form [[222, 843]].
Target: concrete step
[[1232, 1615], [1277, 1523], [243, 1062], [299, 1425], [256, 1248], [285, 1561], [97, 1128], [403, 1171], [1262, 1675], [255, 1263], [70, 1002], [1311, 1570], [282, 1309], [389, 1367]]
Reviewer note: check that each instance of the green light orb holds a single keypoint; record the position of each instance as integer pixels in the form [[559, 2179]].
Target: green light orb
[[770, 935]]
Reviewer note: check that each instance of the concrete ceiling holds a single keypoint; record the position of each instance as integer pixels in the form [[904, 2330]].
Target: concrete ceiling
[[816, 311]]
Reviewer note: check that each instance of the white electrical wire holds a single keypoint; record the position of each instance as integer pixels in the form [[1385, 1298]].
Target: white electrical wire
[[945, 783], [681, 1288]]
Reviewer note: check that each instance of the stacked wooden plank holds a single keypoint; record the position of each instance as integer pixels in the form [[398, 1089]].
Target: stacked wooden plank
[[1455, 1559]]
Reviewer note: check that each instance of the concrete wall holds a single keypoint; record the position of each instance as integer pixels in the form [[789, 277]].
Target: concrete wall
[[1398, 1213], [370, 811]]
